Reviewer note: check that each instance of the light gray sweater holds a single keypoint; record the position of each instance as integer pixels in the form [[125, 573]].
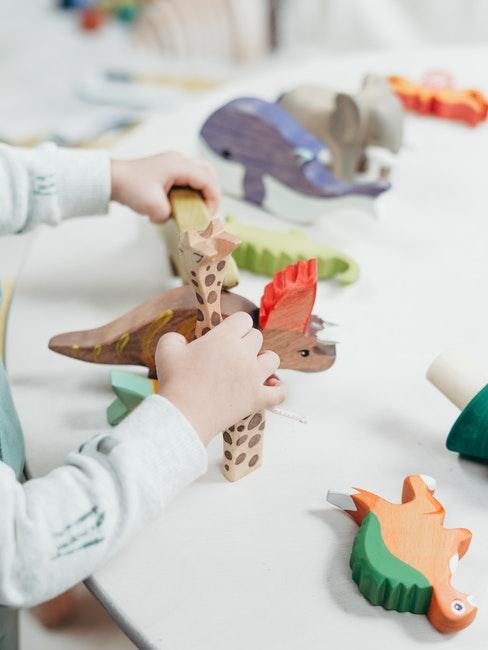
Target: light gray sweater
[[56, 530]]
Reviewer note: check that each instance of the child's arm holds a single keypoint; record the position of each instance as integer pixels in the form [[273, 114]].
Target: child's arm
[[57, 530], [48, 184]]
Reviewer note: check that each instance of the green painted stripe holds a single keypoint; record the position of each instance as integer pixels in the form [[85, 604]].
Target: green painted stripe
[[382, 578]]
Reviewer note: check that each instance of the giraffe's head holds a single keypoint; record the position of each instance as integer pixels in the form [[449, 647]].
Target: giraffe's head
[[287, 323], [208, 247]]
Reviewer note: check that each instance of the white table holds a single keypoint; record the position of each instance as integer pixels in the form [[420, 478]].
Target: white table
[[262, 564]]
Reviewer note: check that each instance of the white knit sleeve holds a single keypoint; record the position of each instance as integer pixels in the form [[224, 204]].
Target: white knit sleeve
[[56, 530], [48, 184]]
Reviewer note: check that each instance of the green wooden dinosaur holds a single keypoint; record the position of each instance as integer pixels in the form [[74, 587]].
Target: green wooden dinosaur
[[267, 251]]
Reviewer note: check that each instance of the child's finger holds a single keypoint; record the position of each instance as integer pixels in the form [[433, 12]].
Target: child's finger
[[273, 395], [156, 206], [237, 324], [169, 343], [268, 363], [254, 339], [200, 179]]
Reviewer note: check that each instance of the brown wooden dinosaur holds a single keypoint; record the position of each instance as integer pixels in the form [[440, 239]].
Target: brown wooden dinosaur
[[284, 318]]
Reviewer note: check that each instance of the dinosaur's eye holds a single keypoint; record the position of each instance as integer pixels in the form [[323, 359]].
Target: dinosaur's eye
[[226, 154], [458, 607], [304, 353]]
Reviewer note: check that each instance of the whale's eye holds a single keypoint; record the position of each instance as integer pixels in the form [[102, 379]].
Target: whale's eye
[[304, 353], [458, 607], [226, 154]]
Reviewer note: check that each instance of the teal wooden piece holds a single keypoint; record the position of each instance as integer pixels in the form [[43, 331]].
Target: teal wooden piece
[[469, 434], [130, 390], [267, 251], [13, 454]]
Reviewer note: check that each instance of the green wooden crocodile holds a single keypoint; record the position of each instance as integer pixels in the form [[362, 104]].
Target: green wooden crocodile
[[267, 251]]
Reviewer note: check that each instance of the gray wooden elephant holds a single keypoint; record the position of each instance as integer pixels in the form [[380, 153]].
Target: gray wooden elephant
[[361, 131]]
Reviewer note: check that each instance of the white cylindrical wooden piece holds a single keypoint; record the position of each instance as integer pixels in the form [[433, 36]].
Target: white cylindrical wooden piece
[[456, 377]]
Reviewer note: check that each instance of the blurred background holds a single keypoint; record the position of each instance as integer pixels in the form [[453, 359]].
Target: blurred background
[[85, 72], [81, 71]]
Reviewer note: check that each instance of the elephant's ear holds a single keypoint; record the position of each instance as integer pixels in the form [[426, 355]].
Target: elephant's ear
[[348, 119]]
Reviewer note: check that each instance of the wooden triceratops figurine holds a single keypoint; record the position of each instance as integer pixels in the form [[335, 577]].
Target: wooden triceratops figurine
[[285, 318], [403, 558]]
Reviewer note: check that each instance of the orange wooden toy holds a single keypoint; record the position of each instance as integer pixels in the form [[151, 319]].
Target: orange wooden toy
[[469, 105], [403, 558]]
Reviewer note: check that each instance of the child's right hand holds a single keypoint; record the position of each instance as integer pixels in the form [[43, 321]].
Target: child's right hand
[[218, 379]]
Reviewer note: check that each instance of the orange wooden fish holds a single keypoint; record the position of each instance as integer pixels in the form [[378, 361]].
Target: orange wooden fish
[[403, 558]]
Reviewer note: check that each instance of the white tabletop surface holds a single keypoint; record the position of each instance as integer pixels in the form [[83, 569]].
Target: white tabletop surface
[[263, 563]]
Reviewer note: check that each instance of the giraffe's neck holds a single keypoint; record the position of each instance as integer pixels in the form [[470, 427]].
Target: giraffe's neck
[[207, 280]]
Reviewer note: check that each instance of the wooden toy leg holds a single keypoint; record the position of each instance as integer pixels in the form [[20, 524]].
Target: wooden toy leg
[[243, 447]]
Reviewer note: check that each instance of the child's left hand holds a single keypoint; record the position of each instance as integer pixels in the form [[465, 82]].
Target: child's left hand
[[143, 184]]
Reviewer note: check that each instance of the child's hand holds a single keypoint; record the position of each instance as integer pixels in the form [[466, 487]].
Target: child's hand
[[219, 378], [143, 184]]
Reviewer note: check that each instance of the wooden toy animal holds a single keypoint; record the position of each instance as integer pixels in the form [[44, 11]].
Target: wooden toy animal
[[467, 387], [469, 105], [403, 558], [190, 212], [267, 251], [284, 317], [362, 131], [266, 156]]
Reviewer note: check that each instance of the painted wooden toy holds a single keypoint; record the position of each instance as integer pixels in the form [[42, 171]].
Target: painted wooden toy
[[6, 291], [362, 131], [190, 212], [284, 317], [468, 105], [267, 251], [466, 386], [264, 155], [403, 558], [206, 256]]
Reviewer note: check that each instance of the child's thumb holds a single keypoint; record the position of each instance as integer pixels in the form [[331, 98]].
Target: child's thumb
[[169, 344], [157, 206]]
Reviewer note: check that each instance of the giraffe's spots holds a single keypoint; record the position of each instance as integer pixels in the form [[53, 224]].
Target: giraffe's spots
[[227, 468], [227, 437], [241, 440], [247, 417], [208, 268], [209, 280], [232, 428], [219, 283], [253, 460], [212, 297], [199, 315], [199, 298], [193, 274], [262, 425], [205, 330], [221, 265], [254, 440], [121, 343], [215, 319], [240, 459], [228, 455], [195, 283], [255, 420], [241, 427]]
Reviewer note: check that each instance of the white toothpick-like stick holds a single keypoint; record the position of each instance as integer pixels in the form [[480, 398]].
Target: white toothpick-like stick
[[290, 415]]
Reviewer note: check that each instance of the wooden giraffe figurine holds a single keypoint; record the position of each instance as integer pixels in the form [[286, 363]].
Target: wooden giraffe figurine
[[403, 558], [205, 255]]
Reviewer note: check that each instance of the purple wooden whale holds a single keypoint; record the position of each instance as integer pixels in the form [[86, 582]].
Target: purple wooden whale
[[268, 142]]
